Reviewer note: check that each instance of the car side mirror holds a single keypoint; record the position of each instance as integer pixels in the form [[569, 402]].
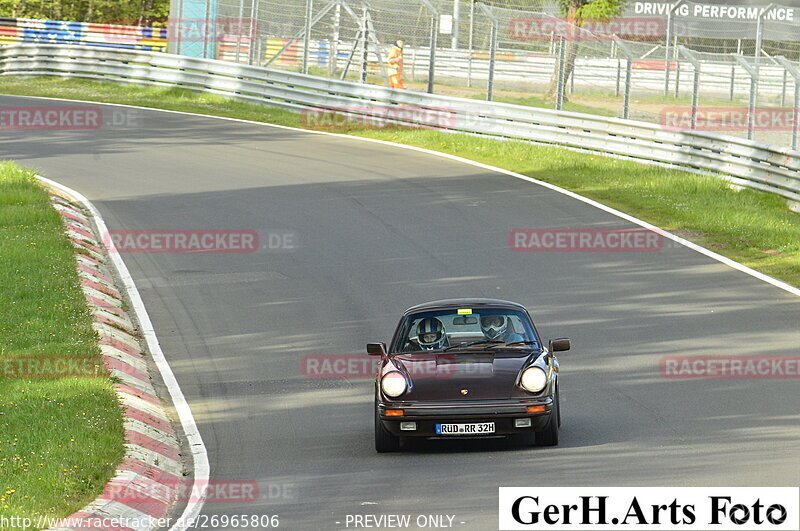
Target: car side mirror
[[559, 345], [376, 349]]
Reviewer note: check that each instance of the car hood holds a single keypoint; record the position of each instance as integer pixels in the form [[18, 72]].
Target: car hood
[[445, 375]]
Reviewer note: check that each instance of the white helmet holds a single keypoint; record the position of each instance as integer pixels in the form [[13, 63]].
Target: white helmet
[[430, 334], [493, 326]]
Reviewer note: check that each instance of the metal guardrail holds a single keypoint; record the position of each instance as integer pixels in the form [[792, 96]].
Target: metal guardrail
[[521, 69], [744, 162]]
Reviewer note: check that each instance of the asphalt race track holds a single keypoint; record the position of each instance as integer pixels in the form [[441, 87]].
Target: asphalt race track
[[376, 229]]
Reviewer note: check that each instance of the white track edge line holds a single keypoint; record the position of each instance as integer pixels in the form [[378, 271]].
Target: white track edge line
[[677, 239], [196, 445]]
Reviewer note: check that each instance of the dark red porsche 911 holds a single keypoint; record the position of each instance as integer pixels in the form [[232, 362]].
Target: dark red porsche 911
[[466, 368]]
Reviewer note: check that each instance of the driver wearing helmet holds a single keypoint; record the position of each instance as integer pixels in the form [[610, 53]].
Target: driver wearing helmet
[[498, 328], [431, 335]]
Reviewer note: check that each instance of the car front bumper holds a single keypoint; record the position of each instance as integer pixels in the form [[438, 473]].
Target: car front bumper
[[503, 413]]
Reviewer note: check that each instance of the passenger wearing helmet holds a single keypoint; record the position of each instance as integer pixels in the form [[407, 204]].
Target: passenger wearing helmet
[[431, 334], [498, 328]]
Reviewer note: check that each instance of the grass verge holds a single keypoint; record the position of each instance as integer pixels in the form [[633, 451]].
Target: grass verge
[[754, 228], [646, 104], [60, 438]]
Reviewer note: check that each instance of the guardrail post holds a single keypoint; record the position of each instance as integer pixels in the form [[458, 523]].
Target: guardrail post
[[456, 17], [733, 69], [572, 80], [626, 105], [471, 38], [626, 102], [492, 61], [760, 31], [751, 103], [562, 54], [492, 50], [240, 27], [253, 32], [695, 94], [754, 78], [783, 89], [365, 49], [307, 36], [666, 51], [796, 113], [696, 66], [670, 31], [434, 42], [334, 47], [751, 106], [432, 57], [792, 70]]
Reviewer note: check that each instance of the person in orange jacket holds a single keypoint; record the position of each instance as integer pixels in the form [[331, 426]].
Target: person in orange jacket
[[396, 65]]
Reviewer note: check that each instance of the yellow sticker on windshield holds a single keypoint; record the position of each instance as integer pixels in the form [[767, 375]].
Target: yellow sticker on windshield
[[465, 311]]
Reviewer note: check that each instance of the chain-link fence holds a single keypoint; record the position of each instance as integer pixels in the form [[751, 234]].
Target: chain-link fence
[[685, 65]]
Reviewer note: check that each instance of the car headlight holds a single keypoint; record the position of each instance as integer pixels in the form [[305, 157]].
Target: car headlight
[[533, 379], [393, 384]]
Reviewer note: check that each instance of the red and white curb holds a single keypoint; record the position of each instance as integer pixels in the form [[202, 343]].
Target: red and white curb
[[151, 478]]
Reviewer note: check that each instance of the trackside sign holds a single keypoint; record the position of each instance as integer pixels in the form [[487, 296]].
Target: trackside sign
[[650, 508]]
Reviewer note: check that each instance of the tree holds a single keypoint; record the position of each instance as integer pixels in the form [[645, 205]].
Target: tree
[[125, 12], [577, 13]]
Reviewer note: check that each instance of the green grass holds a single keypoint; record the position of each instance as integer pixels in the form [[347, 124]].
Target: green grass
[[60, 438], [536, 101], [646, 104], [754, 228], [751, 227]]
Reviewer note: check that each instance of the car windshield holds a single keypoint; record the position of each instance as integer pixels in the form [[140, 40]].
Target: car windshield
[[464, 328]]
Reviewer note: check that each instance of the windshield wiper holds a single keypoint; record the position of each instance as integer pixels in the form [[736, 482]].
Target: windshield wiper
[[528, 342], [474, 343]]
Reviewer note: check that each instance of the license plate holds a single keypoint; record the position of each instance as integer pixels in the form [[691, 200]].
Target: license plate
[[465, 429]]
